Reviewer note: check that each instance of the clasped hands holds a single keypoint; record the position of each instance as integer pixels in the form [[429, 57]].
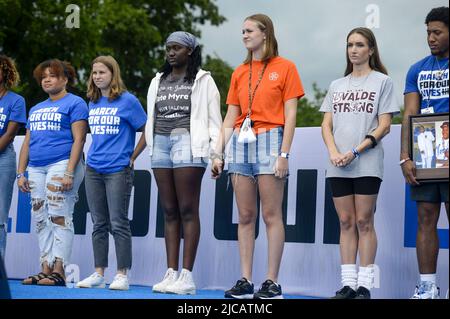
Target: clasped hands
[[342, 160]]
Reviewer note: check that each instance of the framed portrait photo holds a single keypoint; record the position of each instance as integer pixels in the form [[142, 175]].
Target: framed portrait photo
[[428, 146]]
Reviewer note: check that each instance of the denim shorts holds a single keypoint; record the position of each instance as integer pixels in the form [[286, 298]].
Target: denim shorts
[[256, 158], [174, 151]]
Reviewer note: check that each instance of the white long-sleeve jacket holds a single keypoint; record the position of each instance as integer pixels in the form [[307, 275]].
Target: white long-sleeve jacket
[[206, 119]]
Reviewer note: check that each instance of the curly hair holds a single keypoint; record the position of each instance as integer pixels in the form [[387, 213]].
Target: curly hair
[[438, 14], [9, 72], [58, 67]]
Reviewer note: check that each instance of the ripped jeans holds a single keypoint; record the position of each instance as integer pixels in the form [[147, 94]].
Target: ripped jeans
[[47, 203], [7, 177]]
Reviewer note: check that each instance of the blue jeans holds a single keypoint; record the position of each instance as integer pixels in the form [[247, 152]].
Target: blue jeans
[[256, 158], [8, 174], [55, 241], [174, 151], [108, 197]]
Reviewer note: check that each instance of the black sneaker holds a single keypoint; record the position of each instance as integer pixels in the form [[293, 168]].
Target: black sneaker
[[269, 290], [242, 290], [362, 293], [345, 293]]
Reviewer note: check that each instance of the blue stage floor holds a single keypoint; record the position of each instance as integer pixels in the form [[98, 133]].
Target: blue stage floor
[[19, 291]]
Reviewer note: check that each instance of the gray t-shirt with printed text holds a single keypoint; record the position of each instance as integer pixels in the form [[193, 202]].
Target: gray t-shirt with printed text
[[173, 106], [355, 104]]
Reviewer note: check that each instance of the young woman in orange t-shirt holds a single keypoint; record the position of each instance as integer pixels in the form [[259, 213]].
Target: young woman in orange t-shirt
[[265, 91]]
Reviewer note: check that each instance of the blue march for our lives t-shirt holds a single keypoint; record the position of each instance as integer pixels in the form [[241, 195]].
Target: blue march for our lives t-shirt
[[113, 127], [50, 124], [429, 78], [12, 108]]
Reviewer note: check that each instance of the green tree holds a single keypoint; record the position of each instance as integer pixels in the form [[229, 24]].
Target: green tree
[[221, 72], [308, 110], [133, 31]]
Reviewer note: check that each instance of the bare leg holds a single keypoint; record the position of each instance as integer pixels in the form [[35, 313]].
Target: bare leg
[[188, 181], [172, 221], [348, 242], [271, 190], [427, 246], [367, 244], [245, 192]]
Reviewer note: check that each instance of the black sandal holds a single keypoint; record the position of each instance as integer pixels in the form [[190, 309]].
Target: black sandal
[[56, 279], [34, 279]]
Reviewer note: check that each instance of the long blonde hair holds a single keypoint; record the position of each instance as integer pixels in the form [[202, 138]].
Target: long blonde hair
[[117, 87], [264, 24]]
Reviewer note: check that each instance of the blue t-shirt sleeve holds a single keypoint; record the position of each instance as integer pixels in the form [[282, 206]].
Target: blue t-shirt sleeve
[[18, 111], [411, 81], [136, 114], [27, 125], [79, 111]]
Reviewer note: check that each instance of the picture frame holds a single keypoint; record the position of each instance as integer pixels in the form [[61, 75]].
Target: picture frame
[[428, 146]]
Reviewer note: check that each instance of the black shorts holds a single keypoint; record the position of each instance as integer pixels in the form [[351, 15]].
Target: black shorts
[[430, 192], [342, 186]]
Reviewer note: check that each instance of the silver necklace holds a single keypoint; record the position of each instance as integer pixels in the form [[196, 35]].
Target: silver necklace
[[440, 72]]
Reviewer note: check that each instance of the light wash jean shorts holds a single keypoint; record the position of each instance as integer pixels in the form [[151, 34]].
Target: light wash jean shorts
[[174, 151], [256, 158]]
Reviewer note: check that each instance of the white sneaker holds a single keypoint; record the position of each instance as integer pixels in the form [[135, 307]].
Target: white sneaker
[[184, 285], [120, 282], [169, 278], [93, 281], [426, 290]]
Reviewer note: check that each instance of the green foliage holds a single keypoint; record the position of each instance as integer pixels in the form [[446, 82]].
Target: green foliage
[[399, 117], [133, 31], [221, 72], [308, 110]]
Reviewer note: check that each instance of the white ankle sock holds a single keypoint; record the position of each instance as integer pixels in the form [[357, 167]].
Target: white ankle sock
[[365, 277], [349, 275], [428, 277]]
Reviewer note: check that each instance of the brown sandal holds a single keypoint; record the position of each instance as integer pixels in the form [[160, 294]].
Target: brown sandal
[[56, 279], [34, 279]]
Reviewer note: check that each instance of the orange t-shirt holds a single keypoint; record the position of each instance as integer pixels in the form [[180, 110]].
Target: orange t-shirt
[[279, 84]]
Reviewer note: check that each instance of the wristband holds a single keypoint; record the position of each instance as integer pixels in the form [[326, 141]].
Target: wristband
[[404, 161], [372, 139], [355, 152]]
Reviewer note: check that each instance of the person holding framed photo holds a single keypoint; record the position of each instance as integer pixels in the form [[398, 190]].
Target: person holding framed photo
[[426, 92]]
